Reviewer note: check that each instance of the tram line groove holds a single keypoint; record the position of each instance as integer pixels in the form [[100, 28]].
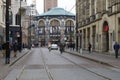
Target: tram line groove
[[50, 75], [84, 67]]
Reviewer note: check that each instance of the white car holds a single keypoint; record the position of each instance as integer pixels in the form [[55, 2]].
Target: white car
[[54, 47]]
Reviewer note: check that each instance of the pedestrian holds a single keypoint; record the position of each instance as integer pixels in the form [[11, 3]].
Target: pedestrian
[[61, 48], [49, 46], [3, 49], [73, 46], [7, 47], [116, 49], [89, 47], [15, 48]]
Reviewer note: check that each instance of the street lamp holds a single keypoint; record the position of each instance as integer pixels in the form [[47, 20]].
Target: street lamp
[[77, 36], [20, 29], [70, 33], [48, 31], [62, 31], [44, 36], [29, 29], [7, 59], [80, 39]]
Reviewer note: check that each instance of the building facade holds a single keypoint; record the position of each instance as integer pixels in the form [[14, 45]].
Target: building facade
[[56, 26], [49, 4], [17, 20], [98, 23], [31, 24], [2, 21]]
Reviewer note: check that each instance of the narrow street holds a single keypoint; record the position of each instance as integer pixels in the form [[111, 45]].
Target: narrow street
[[41, 64]]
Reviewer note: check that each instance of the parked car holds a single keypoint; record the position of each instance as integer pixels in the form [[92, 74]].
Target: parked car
[[54, 47], [33, 45]]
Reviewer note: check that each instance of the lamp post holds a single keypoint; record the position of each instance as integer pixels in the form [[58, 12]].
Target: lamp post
[[80, 39], [70, 34], [62, 31], [44, 36], [77, 36], [20, 29], [7, 59], [29, 29], [48, 31]]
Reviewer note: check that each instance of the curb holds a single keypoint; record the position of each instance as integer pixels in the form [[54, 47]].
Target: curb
[[98, 61], [13, 62]]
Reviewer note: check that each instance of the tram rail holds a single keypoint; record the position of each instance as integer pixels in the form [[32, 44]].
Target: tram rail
[[84, 67]]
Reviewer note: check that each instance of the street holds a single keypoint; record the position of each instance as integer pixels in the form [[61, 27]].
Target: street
[[40, 64]]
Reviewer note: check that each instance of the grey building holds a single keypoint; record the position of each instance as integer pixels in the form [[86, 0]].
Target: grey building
[[98, 22]]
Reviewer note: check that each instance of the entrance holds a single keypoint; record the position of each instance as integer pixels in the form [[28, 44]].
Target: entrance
[[105, 37]]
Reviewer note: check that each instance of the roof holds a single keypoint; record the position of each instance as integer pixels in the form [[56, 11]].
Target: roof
[[57, 12]]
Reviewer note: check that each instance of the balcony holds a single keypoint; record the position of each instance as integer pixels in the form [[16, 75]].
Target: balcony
[[115, 8], [92, 18], [87, 20]]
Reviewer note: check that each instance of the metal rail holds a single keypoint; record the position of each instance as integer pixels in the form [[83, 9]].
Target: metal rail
[[84, 67], [50, 75], [20, 73]]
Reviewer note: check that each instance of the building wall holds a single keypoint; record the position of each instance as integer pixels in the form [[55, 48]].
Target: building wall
[[49, 4], [56, 30], [2, 21], [15, 6], [92, 16]]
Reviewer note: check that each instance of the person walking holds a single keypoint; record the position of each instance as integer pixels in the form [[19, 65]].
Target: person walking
[[89, 47], [15, 48], [116, 49], [3, 49], [61, 48], [49, 46], [7, 48], [73, 46]]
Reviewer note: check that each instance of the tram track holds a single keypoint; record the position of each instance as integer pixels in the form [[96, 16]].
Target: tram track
[[45, 66], [50, 75], [83, 67]]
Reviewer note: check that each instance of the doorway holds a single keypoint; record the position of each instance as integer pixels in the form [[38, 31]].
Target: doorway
[[105, 37]]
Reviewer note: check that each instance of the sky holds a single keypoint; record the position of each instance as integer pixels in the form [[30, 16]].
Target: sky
[[61, 3]]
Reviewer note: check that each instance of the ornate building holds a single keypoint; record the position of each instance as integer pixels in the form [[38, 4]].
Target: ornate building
[[98, 22], [55, 26], [49, 4]]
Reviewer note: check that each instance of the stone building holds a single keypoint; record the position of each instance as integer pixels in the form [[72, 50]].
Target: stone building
[[26, 12], [55, 26], [2, 20], [29, 30], [49, 4], [17, 19], [98, 22]]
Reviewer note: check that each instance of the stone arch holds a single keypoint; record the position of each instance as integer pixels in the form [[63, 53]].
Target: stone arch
[[54, 19], [54, 22], [69, 24], [41, 33], [54, 30], [105, 35], [69, 29], [70, 20], [41, 22]]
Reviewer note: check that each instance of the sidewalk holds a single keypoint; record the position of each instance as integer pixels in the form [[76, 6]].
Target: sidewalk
[[98, 57], [5, 67]]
